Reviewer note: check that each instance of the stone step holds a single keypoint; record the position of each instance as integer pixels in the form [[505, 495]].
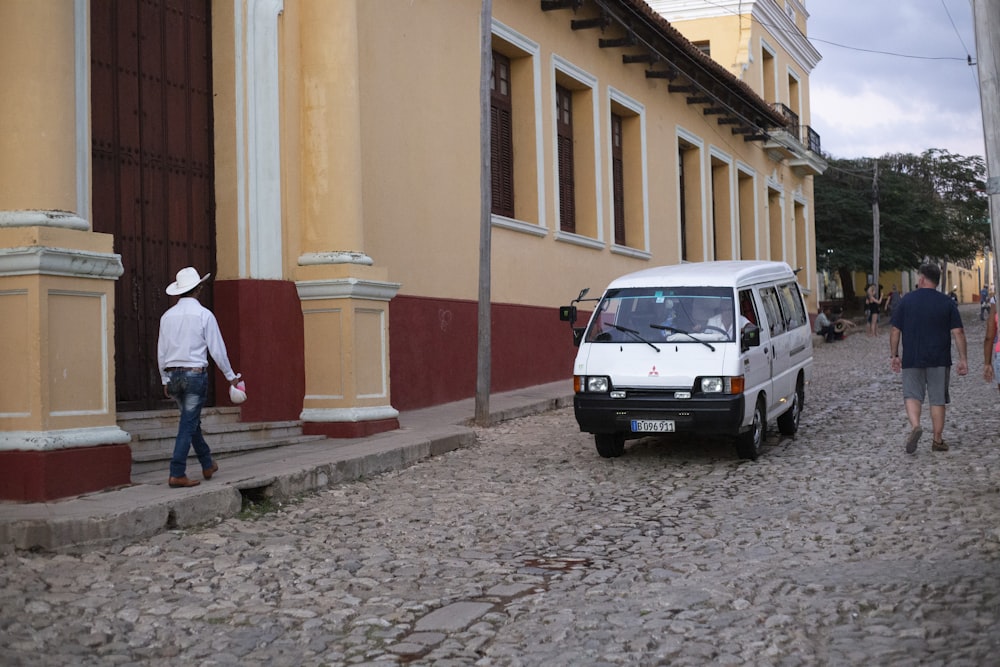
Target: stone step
[[162, 461], [153, 433], [155, 419]]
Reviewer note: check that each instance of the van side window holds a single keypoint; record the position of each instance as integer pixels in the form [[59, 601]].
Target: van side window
[[791, 305], [747, 308], [776, 323]]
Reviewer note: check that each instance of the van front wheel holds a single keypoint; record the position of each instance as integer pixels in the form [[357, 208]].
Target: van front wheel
[[788, 423], [610, 445], [748, 445]]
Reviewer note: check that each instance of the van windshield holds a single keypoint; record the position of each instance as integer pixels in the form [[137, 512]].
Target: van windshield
[[657, 314]]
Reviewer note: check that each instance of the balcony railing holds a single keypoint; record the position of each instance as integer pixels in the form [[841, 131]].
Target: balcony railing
[[790, 116], [810, 138], [805, 134]]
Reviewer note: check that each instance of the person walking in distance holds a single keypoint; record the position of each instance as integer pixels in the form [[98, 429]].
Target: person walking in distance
[[926, 320], [873, 305], [991, 348], [188, 333]]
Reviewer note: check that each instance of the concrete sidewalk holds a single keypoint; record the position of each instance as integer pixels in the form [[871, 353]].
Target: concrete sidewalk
[[149, 506]]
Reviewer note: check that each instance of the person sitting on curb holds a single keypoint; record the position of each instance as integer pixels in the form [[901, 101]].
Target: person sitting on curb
[[831, 329]]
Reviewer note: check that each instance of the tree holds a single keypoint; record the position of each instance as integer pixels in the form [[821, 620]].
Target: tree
[[931, 205]]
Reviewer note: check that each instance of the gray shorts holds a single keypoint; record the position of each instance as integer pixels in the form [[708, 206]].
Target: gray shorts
[[934, 380]]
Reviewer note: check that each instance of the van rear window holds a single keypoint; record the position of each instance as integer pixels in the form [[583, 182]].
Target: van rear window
[[681, 314]]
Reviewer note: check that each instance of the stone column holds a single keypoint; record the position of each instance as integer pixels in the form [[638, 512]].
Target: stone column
[[344, 296], [58, 431]]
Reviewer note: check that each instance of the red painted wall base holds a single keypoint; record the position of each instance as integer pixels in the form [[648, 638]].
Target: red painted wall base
[[33, 477], [261, 321], [433, 349], [350, 429]]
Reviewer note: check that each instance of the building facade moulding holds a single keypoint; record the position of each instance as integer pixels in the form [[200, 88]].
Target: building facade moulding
[[46, 441], [40, 218], [347, 288], [335, 257], [348, 414], [68, 262], [767, 12]]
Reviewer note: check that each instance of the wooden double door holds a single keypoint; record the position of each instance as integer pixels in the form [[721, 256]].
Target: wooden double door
[[153, 177]]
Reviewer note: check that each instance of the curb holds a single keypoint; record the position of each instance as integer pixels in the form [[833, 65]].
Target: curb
[[143, 510]]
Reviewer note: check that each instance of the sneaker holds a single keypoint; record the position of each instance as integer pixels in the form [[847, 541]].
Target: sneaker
[[940, 446], [913, 438]]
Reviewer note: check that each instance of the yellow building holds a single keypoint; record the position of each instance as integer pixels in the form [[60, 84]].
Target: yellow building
[[322, 159]]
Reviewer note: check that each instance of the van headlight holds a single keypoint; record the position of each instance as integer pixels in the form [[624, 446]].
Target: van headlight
[[713, 385], [721, 385], [596, 384]]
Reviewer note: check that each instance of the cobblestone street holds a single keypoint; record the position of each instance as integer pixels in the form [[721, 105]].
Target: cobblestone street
[[835, 548]]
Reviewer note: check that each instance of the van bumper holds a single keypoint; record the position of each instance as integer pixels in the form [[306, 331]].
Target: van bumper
[[599, 413]]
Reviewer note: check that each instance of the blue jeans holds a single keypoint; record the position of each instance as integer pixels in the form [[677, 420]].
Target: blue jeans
[[189, 390]]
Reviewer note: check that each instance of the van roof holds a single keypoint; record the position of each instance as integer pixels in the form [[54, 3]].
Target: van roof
[[706, 274]]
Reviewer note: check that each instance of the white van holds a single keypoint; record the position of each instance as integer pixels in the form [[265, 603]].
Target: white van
[[661, 354]]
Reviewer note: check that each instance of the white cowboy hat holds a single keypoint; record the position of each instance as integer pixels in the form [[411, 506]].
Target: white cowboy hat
[[187, 280]]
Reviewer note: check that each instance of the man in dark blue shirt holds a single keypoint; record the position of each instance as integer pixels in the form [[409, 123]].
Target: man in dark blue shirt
[[926, 320]]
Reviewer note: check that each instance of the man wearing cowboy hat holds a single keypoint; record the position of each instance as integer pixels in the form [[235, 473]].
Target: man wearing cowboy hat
[[188, 333]]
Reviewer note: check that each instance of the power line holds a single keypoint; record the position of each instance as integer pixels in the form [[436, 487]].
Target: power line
[[969, 58], [887, 53], [957, 33], [845, 46]]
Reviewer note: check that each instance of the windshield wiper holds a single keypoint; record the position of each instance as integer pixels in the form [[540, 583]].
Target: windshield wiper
[[634, 334], [681, 331]]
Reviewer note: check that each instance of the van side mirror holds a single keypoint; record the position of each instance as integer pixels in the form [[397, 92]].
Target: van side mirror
[[750, 337], [567, 314]]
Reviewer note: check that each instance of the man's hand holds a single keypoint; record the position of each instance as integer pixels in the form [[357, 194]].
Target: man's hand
[[963, 367], [896, 364]]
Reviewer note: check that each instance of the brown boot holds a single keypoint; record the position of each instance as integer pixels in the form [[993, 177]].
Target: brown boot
[[208, 472], [181, 482]]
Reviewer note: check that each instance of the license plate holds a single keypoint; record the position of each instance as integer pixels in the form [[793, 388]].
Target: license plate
[[652, 426]]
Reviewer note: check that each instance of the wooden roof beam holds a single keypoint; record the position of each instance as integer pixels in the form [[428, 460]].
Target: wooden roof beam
[[670, 74], [602, 22], [627, 40], [550, 5], [629, 58]]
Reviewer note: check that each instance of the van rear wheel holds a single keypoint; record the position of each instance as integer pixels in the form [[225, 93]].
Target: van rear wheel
[[610, 445], [748, 445]]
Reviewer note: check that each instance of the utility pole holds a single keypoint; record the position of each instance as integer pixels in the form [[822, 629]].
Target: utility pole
[[986, 18], [876, 232], [484, 349]]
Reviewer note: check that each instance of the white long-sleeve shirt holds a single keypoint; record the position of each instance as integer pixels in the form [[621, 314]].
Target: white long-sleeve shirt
[[188, 333]]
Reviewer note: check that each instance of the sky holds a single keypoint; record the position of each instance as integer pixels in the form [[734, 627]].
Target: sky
[[867, 104]]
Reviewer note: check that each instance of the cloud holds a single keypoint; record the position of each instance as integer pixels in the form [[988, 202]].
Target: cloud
[[865, 104], [870, 123]]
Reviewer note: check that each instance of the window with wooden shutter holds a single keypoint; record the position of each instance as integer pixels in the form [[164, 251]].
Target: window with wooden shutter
[[567, 186], [501, 137], [618, 176]]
